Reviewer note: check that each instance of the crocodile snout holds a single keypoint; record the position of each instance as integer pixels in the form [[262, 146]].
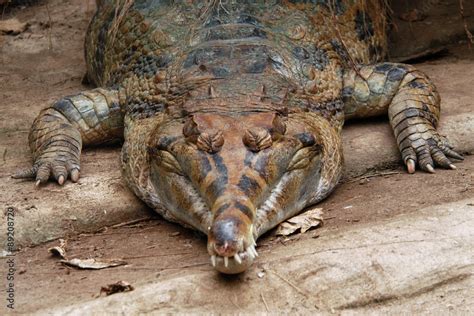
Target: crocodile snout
[[231, 243]]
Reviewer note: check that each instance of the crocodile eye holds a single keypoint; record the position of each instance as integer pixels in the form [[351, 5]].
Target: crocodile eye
[[167, 161], [304, 155], [306, 139], [159, 151]]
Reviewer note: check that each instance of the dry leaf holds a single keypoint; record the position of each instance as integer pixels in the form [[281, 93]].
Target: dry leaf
[[93, 264], [59, 251], [303, 222], [120, 286], [12, 27]]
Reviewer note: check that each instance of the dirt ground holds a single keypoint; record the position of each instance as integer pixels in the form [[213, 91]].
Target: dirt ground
[[157, 249], [52, 66]]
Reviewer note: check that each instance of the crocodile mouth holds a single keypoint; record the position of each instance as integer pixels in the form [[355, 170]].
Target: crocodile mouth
[[237, 263], [231, 246]]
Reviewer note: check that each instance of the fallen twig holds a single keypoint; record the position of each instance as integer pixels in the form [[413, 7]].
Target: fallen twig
[[158, 255], [134, 221], [469, 35], [50, 30], [121, 10], [264, 303], [373, 175]]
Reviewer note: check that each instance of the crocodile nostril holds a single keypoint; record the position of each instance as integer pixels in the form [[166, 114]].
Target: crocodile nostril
[[227, 236], [257, 139], [210, 141], [226, 249]]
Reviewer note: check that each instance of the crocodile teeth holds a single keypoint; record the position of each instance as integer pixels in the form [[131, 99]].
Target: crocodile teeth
[[251, 249], [237, 258], [250, 253]]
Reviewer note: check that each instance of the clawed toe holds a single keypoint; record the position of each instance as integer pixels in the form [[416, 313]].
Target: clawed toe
[[25, 174], [75, 175], [428, 155], [42, 173], [429, 168], [410, 165]]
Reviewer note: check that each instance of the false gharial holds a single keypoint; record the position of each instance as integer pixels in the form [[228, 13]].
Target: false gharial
[[231, 111]]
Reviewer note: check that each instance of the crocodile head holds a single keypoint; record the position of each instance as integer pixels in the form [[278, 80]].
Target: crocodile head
[[234, 177]]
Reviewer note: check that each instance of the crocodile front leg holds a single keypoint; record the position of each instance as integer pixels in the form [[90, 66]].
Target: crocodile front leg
[[413, 106], [59, 132]]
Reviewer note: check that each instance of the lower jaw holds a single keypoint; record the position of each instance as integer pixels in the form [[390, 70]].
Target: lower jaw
[[232, 265], [235, 264]]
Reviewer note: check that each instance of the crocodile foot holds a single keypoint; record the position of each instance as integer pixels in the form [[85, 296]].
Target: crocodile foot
[[58, 168], [427, 149]]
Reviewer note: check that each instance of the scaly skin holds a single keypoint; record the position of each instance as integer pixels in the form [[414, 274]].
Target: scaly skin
[[232, 110]]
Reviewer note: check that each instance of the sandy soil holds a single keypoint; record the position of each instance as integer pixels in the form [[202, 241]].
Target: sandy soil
[[53, 67], [157, 249]]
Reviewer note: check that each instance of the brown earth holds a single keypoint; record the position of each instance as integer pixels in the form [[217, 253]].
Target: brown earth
[[45, 63], [157, 249]]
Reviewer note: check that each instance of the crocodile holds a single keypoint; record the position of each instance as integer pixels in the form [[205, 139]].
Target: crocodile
[[230, 112]]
